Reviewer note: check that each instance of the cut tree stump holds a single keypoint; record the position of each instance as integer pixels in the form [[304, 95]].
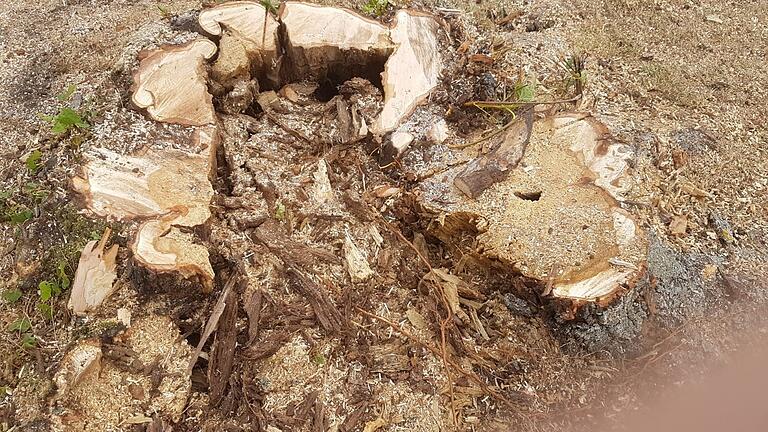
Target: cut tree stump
[[332, 44], [412, 71], [247, 46], [167, 187], [167, 183], [556, 216], [171, 84]]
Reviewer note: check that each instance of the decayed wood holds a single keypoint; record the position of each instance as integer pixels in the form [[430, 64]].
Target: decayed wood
[[94, 277], [413, 69], [328, 315], [171, 84], [493, 167]]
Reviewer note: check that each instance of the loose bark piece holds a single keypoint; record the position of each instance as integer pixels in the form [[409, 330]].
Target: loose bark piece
[[559, 211], [253, 310], [213, 322], [357, 264], [223, 353], [327, 41], [171, 84], [412, 71], [94, 277], [328, 315], [493, 167]]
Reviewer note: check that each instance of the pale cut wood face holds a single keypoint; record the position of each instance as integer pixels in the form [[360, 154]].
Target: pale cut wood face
[[412, 71], [313, 26], [171, 84], [94, 278], [244, 18], [554, 217]]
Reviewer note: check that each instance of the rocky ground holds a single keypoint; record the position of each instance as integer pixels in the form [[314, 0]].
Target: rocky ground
[[319, 345]]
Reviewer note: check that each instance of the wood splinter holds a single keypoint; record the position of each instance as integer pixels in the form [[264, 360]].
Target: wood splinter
[[484, 171]]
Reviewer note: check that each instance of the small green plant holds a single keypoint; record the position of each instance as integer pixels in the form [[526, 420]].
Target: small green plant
[[524, 92], [67, 93], [270, 6], [67, 118], [33, 160], [164, 12], [50, 289], [376, 7], [280, 211], [19, 214], [22, 326], [16, 205], [11, 296], [574, 67]]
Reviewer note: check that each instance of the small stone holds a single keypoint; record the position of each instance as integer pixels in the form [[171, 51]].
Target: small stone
[[401, 141], [722, 228]]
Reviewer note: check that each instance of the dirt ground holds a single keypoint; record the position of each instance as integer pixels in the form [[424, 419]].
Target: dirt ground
[[682, 83]]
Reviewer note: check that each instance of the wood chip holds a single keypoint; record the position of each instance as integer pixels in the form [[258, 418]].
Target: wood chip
[[678, 225], [481, 58], [95, 276]]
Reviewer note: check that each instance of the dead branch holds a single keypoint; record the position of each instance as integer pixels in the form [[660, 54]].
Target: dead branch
[[223, 352], [482, 172], [213, 321]]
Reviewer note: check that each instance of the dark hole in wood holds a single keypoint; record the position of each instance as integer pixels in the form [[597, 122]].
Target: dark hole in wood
[[528, 196]]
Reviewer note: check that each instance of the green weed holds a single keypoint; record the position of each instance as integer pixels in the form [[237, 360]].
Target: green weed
[[574, 67], [11, 296], [376, 7], [33, 160], [23, 328], [525, 92], [50, 289], [67, 118]]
